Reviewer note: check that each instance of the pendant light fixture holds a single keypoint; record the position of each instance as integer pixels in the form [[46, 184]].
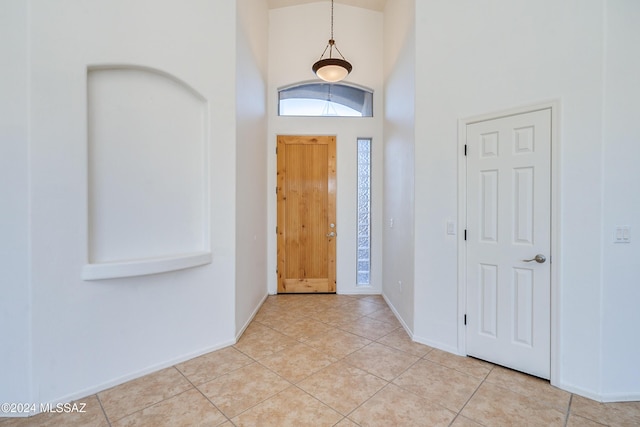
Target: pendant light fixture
[[332, 69]]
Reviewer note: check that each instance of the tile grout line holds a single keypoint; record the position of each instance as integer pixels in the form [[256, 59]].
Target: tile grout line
[[507, 387], [262, 401], [363, 336], [103, 411], [566, 417], [342, 359], [383, 379], [256, 361], [471, 397], [324, 403], [201, 393], [337, 327], [376, 340], [456, 369], [406, 352], [152, 404], [422, 397], [366, 400]]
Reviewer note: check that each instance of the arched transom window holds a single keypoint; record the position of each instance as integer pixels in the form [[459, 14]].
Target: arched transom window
[[325, 99]]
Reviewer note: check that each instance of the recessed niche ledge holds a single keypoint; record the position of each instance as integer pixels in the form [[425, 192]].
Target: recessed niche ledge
[[143, 267]]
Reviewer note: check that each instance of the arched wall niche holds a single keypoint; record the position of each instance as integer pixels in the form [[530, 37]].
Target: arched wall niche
[[148, 173]]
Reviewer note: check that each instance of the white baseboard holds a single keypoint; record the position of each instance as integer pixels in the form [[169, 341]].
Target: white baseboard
[[599, 397], [620, 397], [440, 346], [248, 322], [400, 319], [131, 376], [362, 292]]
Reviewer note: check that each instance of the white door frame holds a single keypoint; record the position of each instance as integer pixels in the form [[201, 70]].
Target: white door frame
[[554, 258]]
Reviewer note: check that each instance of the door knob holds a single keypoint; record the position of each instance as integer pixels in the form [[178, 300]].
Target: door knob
[[538, 258], [332, 234]]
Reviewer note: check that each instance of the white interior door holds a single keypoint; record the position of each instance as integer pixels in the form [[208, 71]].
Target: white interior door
[[509, 240]]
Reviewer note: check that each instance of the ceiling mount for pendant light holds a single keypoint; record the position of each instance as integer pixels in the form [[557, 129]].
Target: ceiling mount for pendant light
[[332, 69]]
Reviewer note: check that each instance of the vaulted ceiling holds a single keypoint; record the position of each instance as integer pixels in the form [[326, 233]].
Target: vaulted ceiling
[[366, 4]]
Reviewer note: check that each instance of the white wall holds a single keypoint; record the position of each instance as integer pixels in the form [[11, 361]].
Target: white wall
[[620, 374], [399, 158], [297, 37], [484, 56], [15, 310], [70, 338], [89, 335], [251, 166]]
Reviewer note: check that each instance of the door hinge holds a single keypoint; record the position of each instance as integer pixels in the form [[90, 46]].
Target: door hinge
[[276, 150], [276, 189], [465, 319], [465, 234], [276, 229], [465, 149]]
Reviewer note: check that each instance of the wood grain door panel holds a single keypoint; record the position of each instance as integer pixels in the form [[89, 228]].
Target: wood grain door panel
[[306, 210]]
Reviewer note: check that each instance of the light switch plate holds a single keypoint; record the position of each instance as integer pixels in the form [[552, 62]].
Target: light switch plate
[[622, 234], [451, 227]]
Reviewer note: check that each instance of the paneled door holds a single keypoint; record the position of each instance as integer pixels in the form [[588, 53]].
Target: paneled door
[[509, 240], [306, 229]]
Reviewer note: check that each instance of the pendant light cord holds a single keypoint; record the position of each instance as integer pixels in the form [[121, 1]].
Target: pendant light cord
[[332, 44], [331, 19]]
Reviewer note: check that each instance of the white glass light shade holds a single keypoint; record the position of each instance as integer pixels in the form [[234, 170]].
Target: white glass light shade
[[332, 69]]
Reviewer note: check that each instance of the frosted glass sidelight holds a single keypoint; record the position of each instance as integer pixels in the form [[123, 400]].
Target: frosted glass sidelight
[[363, 265]]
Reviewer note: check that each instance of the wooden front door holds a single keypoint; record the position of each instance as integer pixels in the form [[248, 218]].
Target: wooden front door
[[509, 241], [306, 214]]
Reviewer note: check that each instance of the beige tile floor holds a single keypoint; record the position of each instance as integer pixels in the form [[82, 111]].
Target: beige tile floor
[[334, 360]]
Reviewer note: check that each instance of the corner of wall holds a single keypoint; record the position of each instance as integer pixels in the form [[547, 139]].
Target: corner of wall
[[16, 300]]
